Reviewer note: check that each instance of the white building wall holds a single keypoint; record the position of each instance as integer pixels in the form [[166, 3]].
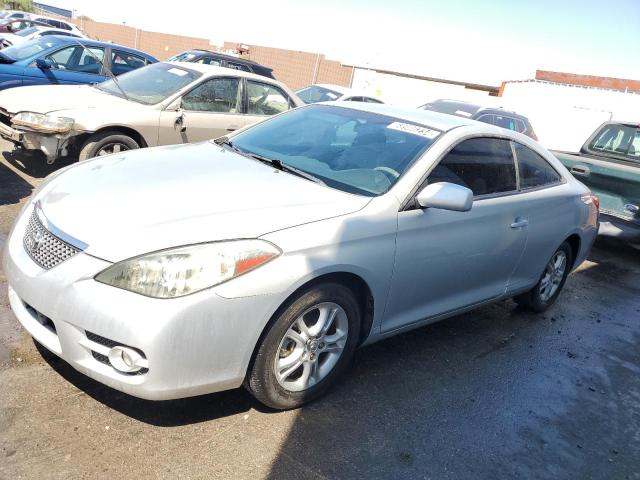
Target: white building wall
[[410, 92], [564, 116]]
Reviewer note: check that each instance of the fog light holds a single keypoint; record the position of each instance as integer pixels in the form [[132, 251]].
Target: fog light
[[125, 359]]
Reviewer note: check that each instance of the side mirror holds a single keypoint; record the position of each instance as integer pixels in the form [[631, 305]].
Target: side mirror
[[44, 64], [446, 196]]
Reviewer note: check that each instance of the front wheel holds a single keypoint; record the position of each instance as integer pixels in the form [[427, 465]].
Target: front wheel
[[307, 348], [548, 288], [106, 143]]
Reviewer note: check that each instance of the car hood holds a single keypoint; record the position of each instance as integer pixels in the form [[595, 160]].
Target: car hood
[[128, 204], [52, 98]]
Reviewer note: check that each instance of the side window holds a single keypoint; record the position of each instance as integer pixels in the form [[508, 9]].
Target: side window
[[534, 170], [485, 165], [615, 138], [265, 99], [486, 118], [634, 149], [209, 61], [505, 122], [238, 66], [77, 59], [354, 99], [218, 95], [122, 62], [371, 100]]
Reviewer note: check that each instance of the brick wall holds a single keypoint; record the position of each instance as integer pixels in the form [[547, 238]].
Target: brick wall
[[589, 80], [296, 69], [160, 45]]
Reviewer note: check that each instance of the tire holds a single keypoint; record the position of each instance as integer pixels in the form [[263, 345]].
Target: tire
[[538, 298], [99, 144], [278, 347]]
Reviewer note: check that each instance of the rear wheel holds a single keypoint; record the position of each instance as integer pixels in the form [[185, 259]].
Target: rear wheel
[[307, 348], [106, 143], [548, 288]]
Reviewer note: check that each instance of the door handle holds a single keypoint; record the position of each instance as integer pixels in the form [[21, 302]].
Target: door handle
[[580, 170], [520, 223]]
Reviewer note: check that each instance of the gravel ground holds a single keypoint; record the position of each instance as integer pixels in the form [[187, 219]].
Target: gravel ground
[[495, 393]]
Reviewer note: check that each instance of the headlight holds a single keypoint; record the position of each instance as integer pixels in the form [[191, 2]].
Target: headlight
[[45, 123], [185, 270]]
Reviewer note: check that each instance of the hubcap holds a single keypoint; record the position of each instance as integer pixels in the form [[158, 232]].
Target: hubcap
[[110, 148], [311, 347], [553, 275]]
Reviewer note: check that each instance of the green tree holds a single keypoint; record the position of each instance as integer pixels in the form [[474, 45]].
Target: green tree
[[24, 5]]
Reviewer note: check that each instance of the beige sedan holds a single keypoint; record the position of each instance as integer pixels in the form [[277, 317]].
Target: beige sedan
[[162, 104]]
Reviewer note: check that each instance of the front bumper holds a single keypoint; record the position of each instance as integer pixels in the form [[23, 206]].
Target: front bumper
[[193, 345], [53, 145]]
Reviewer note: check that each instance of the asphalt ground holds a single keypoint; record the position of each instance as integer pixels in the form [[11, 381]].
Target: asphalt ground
[[496, 393]]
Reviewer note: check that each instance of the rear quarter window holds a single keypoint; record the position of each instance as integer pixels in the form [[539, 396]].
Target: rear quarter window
[[534, 171]]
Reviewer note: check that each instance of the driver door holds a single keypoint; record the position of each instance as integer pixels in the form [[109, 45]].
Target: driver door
[[69, 65], [211, 109]]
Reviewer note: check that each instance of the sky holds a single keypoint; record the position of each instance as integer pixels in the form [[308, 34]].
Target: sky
[[482, 41]]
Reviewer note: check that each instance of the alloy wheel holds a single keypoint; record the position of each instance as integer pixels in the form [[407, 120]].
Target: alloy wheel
[[311, 347], [553, 275]]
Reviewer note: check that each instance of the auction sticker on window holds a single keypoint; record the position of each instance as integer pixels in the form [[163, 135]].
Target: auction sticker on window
[[414, 129], [177, 71]]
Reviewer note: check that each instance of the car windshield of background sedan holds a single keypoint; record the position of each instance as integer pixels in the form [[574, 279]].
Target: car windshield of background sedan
[[31, 48], [350, 150], [315, 94], [150, 85]]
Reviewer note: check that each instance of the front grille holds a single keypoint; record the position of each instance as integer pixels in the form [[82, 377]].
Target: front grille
[[43, 247]]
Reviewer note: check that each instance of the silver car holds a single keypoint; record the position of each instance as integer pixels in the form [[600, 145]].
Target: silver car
[[267, 257], [161, 104]]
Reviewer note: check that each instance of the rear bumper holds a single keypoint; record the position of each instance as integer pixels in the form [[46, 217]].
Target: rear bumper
[[611, 226]]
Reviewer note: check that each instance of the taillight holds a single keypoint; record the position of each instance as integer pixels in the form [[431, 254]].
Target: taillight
[[589, 199]]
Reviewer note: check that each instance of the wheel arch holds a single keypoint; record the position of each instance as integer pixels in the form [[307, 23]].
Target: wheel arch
[[574, 242], [80, 140], [352, 281]]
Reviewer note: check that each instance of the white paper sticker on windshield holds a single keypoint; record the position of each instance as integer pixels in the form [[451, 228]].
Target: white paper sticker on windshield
[[177, 71], [462, 113], [414, 129]]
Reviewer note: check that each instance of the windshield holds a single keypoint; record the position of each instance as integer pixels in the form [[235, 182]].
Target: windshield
[[315, 94], [33, 47], [27, 31], [151, 84], [183, 57], [350, 150]]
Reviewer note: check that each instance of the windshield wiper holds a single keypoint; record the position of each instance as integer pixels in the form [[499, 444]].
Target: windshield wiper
[[277, 164]]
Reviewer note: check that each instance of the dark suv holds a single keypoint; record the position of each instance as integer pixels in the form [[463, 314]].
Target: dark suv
[[494, 116], [222, 60]]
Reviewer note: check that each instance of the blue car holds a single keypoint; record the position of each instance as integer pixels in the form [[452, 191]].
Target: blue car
[[56, 59]]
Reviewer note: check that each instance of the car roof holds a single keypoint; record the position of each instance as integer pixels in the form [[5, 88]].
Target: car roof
[[438, 121], [228, 57], [215, 70], [335, 88], [83, 41], [472, 108]]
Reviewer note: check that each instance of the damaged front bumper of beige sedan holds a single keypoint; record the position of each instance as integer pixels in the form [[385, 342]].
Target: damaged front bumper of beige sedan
[[48, 134]]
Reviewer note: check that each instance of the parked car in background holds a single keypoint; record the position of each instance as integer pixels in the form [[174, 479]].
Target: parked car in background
[[64, 60], [266, 258], [13, 14], [333, 93], [32, 33], [161, 104], [494, 116], [609, 164], [57, 23], [217, 59], [13, 25]]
